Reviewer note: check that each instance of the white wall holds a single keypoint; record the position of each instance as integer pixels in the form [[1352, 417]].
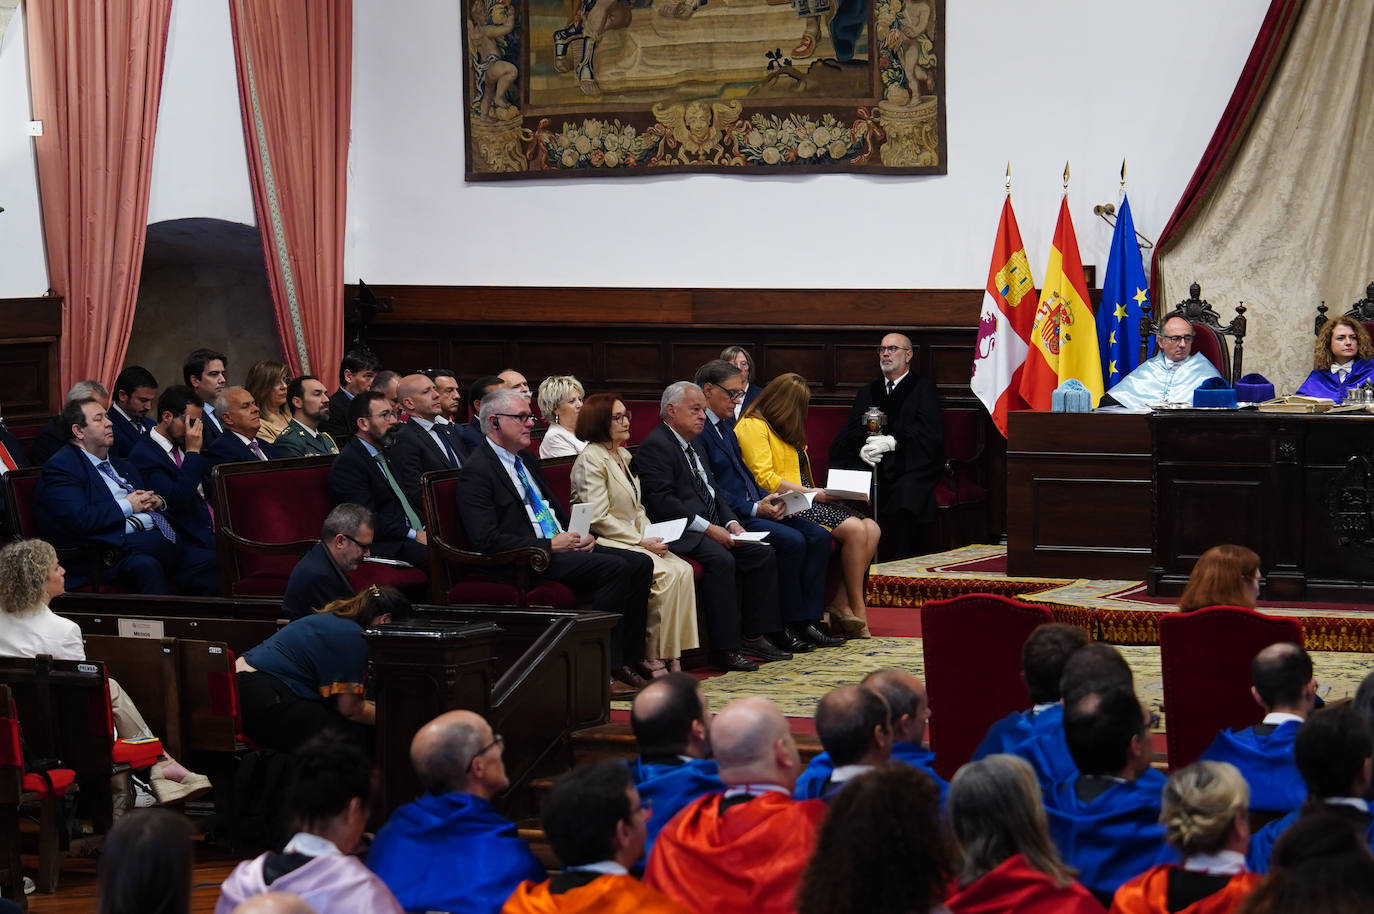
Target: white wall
[[23, 263], [1081, 80]]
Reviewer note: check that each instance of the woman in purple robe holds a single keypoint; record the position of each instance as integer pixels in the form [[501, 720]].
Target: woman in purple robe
[[1341, 360]]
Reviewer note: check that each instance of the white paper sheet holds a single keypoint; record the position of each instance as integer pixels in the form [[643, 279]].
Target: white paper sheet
[[580, 520], [792, 502], [749, 536], [853, 484], [669, 530]]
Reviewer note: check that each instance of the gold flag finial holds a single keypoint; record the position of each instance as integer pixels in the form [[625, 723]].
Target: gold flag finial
[[1066, 177], [1009, 178]]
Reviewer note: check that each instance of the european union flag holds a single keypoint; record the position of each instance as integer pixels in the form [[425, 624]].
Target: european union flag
[[1125, 297]]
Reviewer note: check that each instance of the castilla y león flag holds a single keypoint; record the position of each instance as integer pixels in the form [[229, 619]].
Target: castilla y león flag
[[1063, 342], [1005, 324]]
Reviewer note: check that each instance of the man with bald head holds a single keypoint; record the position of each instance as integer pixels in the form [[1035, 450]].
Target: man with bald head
[[669, 717], [422, 443], [908, 711], [906, 456], [1170, 375], [742, 849], [238, 412], [450, 850], [275, 903], [856, 730], [1284, 687]]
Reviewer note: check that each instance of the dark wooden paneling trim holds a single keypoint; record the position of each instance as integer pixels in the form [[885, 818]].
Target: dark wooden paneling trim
[[30, 329]]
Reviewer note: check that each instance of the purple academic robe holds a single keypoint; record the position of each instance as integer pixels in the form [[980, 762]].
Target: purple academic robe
[[332, 882], [1324, 383]]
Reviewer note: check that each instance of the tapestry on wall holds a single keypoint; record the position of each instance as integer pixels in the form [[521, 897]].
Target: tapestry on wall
[[598, 88]]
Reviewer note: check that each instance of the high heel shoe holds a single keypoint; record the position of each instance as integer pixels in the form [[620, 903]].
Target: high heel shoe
[[854, 627]]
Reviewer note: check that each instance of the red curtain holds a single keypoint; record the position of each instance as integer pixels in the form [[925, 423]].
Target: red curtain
[[96, 72], [295, 68], [1226, 140]]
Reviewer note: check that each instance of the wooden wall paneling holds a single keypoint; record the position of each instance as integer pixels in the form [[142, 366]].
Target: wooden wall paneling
[[634, 363], [29, 332], [687, 355]]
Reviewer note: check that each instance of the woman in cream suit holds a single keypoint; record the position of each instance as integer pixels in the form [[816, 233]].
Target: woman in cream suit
[[601, 478]]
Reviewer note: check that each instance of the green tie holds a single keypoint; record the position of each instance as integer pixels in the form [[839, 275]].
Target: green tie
[[415, 523]]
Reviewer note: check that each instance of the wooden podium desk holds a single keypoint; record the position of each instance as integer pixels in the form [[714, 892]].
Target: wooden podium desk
[[1111, 495], [1078, 495]]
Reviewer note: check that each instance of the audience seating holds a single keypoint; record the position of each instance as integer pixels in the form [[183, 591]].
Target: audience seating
[[1205, 661], [268, 514], [1209, 335], [21, 486], [643, 418], [967, 697], [20, 788], [148, 670], [823, 425], [460, 575], [1362, 311], [558, 471], [960, 499]]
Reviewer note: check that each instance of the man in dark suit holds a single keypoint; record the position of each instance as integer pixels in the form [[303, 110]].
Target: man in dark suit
[[362, 475], [321, 576], [506, 503], [740, 358], [309, 403], [241, 419], [450, 401], [356, 371], [170, 461], [906, 458], [52, 437], [11, 458], [134, 392], [801, 546], [678, 483], [473, 433], [422, 444], [84, 499], [206, 372]]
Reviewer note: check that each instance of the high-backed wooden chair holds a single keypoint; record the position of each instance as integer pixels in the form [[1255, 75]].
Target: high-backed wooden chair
[[972, 649], [268, 514], [459, 574], [960, 498], [1205, 659], [558, 471], [823, 426], [21, 487], [20, 789], [1362, 311], [1209, 334]]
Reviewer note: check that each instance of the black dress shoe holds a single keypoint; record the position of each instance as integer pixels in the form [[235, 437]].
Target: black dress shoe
[[621, 691], [628, 676], [786, 641], [732, 662], [813, 635], [759, 646]]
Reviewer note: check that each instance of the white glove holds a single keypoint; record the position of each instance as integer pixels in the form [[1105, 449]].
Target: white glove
[[873, 450]]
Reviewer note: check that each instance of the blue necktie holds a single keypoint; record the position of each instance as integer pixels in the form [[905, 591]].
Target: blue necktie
[[548, 524], [159, 521], [448, 448]]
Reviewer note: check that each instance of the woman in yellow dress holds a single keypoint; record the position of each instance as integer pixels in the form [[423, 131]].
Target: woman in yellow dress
[[601, 477], [772, 440]]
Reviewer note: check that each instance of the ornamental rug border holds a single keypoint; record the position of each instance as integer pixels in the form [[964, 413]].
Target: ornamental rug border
[[618, 88]]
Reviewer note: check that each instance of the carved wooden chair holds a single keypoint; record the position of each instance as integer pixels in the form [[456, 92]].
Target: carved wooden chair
[[1209, 334], [1362, 311]]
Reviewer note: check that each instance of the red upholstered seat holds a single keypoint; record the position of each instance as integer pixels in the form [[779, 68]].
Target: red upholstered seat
[[1210, 343], [1205, 660], [370, 573], [20, 487], [558, 471], [643, 418], [972, 650], [142, 754], [823, 425], [57, 782], [960, 498], [267, 515]]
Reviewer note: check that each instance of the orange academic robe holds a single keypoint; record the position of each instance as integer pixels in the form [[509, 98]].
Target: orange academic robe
[[746, 860], [1147, 894], [603, 895]]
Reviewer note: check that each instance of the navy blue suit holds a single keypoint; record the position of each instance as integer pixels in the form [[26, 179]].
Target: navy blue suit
[[315, 582], [74, 508], [472, 434], [186, 509], [802, 547], [416, 453], [229, 449], [355, 478], [126, 433], [337, 426], [210, 427]]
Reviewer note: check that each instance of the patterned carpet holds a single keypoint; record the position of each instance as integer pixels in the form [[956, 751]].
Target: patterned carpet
[[1117, 611]]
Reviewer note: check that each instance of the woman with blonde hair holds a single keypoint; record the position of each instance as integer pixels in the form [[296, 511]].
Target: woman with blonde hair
[[1224, 575], [1007, 862], [560, 400], [30, 579], [1342, 358], [267, 381], [601, 477], [772, 440], [1204, 815]]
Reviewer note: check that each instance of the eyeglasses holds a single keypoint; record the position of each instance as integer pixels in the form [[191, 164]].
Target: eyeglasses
[[496, 740], [884, 350], [518, 417], [1179, 339], [365, 547], [621, 417], [735, 393]]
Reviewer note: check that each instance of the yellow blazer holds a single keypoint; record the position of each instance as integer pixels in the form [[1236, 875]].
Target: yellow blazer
[[767, 456], [617, 512]]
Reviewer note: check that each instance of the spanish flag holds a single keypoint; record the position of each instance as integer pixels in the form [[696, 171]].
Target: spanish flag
[[1063, 342]]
